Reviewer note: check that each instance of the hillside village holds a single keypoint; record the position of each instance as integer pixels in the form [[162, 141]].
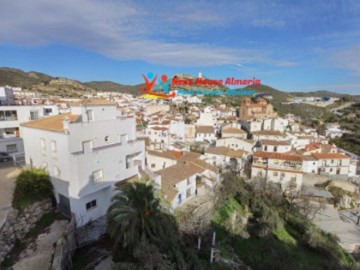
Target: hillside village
[[90, 144]]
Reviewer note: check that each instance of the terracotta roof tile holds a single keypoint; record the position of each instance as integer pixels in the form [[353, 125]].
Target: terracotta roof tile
[[233, 130], [273, 142], [205, 129], [329, 156], [280, 156], [268, 132], [52, 123]]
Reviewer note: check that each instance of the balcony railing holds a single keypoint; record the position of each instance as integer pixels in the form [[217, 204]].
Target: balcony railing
[[8, 118], [280, 167]]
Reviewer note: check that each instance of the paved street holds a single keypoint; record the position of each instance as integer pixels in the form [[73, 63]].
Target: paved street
[[330, 221], [7, 186]]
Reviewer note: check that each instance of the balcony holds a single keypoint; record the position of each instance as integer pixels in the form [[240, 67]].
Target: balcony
[[8, 118], [280, 167]]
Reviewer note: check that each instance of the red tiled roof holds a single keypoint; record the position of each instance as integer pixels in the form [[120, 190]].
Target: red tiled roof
[[280, 156], [273, 142], [330, 156]]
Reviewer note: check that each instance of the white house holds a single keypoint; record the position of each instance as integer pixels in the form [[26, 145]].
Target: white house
[[236, 143], [302, 140], [275, 146], [277, 123], [332, 163], [222, 156], [10, 119], [269, 135], [179, 182], [205, 119], [233, 132], [86, 152], [205, 133], [157, 160], [278, 168]]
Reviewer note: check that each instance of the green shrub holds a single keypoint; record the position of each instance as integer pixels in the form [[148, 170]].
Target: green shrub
[[31, 185], [35, 182]]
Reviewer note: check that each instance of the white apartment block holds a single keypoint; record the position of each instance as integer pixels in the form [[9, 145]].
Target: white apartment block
[[86, 152], [6, 95], [332, 163], [10, 119], [278, 168]]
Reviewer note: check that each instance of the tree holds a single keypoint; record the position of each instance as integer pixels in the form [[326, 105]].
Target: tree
[[136, 222], [134, 215]]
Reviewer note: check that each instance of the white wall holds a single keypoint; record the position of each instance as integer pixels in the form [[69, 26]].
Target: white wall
[[156, 163], [235, 144], [76, 164]]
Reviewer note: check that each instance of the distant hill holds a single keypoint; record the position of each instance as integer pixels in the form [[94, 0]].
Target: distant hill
[[115, 87], [19, 78], [49, 85], [278, 96], [321, 93]]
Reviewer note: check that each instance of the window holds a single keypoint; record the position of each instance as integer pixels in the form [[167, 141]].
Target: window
[[293, 178], [90, 115], [47, 111], [188, 181], [275, 173], [11, 148], [53, 146], [275, 148], [282, 175], [97, 176], [153, 165], [314, 163], [265, 148], [107, 139], [331, 169], [91, 205], [34, 115]]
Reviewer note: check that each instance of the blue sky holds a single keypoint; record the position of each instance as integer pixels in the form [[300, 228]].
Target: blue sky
[[290, 45]]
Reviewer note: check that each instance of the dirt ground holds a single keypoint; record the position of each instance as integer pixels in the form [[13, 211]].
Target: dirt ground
[[40, 257]]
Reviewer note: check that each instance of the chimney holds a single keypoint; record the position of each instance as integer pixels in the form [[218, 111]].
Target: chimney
[[66, 123]]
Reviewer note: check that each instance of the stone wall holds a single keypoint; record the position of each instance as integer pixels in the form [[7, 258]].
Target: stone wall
[[65, 248], [19, 223]]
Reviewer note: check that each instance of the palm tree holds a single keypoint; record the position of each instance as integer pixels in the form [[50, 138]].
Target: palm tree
[[134, 215]]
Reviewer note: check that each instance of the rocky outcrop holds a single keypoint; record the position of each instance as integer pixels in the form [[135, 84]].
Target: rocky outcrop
[[65, 248], [19, 223]]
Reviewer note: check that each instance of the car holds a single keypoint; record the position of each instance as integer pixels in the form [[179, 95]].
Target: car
[[5, 157]]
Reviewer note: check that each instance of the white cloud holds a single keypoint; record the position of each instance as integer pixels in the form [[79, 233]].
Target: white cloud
[[349, 59], [128, 30]]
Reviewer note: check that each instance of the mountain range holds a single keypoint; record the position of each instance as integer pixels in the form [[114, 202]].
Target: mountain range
[[49, 85]]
